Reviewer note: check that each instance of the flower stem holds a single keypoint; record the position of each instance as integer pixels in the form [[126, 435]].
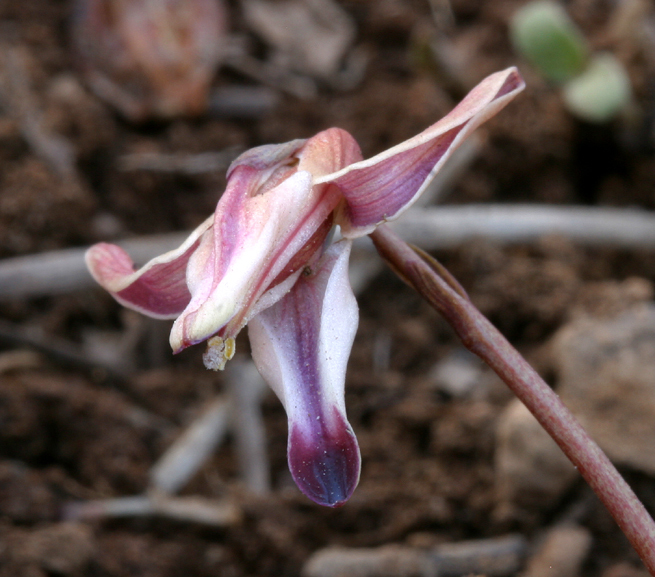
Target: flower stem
[[478, 335]]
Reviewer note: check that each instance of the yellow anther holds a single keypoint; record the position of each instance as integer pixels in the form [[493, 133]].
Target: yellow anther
[[219, 352]]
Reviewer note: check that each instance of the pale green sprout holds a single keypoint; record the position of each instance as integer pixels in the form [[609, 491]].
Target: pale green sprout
[[595, 87], [545, 35], [600, 92]]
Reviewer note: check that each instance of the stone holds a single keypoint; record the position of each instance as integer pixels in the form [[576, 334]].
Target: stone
[[606, 376], [388, 561], [459, 374], [531, 470], [561, 553]]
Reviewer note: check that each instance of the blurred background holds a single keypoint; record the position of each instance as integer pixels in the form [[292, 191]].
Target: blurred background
[[118, 120]]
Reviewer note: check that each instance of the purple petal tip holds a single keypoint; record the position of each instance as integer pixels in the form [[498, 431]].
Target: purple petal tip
[[325, 466]]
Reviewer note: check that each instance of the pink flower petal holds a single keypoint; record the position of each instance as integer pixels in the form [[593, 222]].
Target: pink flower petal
[[329, 151], [380, 188], [301, 347], [158, 289], [269, 215]]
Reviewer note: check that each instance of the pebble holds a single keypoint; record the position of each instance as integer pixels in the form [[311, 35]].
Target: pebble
[[459, 374], [606, 376], [494, 557], [561, 553], [531, 470]]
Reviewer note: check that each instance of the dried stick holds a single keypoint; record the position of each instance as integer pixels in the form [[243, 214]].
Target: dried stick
[[18, 360], [63, 271], [60, 350], [492, 557], [241, 412], [191, 449], [189, 509], [20, 99], [242, 101], [443, 292], [274, 76], [446, 227], [246, 391]]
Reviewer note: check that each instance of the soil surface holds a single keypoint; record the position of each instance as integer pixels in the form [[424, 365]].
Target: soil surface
[[75, 433]]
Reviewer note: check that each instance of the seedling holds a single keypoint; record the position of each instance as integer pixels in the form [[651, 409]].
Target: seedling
[[595, 86]]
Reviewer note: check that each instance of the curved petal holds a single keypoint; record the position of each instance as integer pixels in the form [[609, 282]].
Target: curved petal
[[266, 157], [270, 215], [380, 188], [158, 289], [301, 347], [328, 151]]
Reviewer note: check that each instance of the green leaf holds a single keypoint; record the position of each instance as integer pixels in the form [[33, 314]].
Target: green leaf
[[543, 33], [601, 91]]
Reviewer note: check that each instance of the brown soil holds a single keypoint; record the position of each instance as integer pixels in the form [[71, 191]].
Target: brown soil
[[70, 435]]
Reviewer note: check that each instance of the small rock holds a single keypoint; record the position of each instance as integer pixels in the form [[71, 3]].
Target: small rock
[[609, 298], [459, 374], [606, 370], [389, 561], [562, 553], [495, 557], [531, 470]]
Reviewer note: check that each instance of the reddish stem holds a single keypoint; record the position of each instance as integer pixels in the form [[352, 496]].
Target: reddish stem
[[483, 339]]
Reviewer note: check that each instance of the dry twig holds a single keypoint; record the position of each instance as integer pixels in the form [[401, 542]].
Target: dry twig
[[60, 350], [63, 271], [242, 413], [191, 449], [189, 509], [246, 388], [271, 75], [242, 101], [19, 359], [492, 557], [19, 100], [445, 227]]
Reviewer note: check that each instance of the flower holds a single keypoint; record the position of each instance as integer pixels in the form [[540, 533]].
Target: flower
[[261, 259]]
